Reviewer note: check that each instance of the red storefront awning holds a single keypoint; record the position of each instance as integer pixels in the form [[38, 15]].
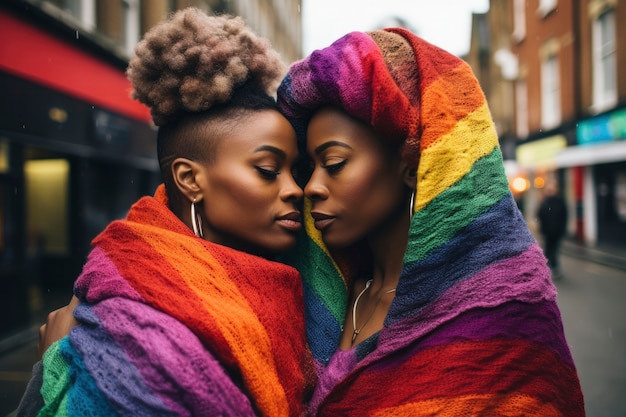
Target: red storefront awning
[[33, 54]]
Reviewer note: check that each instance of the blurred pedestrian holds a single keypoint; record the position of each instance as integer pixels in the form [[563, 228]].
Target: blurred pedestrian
[[552, 216]]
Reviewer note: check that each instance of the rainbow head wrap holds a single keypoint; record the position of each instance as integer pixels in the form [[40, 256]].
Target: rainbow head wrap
[[474, 328]]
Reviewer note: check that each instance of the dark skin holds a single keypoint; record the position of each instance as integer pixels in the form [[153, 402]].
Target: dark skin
[[58, 325], [360, 191]]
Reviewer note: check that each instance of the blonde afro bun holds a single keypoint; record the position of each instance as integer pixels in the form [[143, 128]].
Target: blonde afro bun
[[191, 61]]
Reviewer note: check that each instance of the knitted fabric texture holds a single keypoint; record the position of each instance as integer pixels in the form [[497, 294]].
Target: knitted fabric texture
[[474, 328], [175, 325]]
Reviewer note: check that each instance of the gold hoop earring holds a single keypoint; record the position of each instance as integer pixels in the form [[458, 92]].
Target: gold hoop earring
[[196, 220]]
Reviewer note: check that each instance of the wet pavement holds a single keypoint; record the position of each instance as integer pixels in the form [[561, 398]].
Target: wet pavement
[[18, 353]]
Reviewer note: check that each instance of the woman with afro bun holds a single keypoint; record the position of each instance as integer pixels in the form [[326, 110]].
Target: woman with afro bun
[[182, 310]]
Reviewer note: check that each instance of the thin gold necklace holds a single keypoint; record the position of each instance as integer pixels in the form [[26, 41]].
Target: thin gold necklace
[[356, 303]]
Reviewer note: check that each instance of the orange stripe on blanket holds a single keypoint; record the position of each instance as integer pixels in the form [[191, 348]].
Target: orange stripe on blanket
[[458, 93], [166, 289], [505, 405], [261, 379], [205, 296]]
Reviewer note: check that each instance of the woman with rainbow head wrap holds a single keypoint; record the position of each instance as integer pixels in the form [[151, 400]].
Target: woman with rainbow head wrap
[[183, 309], [425, 292]]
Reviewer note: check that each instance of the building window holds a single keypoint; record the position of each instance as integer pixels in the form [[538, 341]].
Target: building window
[[519, 20], [4, 156], [604, 63], [47, 216], [546, 7], [83, 11], [521, 109], [71, 7], [550, 92], [131, 25]]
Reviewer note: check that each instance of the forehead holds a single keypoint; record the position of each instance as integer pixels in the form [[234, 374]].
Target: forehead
[[332, 124], [257, 128]]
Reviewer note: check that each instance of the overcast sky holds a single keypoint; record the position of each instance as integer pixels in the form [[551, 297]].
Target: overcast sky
[[446, 23]]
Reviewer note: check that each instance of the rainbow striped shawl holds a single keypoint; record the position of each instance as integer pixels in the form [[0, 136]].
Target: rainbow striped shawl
[[174, 325], [474, 328]]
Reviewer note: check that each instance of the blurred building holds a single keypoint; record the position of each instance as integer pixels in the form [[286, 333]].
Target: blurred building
[[495, 66], [554, 72], [75, 150]]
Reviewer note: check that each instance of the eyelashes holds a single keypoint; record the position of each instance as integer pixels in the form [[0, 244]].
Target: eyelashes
[[271, 174], [334, 168], [267, 173]]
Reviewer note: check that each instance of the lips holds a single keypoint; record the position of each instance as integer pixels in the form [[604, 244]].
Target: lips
[[322, 220], [291, 221]]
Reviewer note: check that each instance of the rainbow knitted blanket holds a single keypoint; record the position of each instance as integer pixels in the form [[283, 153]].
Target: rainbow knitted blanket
[[474, 328], [174, 325]]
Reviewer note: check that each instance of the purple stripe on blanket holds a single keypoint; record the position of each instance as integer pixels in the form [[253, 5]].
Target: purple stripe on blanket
[[340, 364], [101, 279], [117, 378], [501, 282], [178, 366], [354, 80], [513, 320]]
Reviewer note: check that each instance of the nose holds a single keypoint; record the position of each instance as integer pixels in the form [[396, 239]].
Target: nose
[[315, 188], [290, 190]]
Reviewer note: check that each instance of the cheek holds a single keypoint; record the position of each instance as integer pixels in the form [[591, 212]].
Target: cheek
[[367, 183], [250, 197], [358, 189], [241, 195], [373, 196]]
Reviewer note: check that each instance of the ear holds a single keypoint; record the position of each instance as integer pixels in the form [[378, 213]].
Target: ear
[[188, 177], [409, 175]]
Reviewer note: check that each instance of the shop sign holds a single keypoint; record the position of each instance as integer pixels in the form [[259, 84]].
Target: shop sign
[[604, 128], [540, 153]]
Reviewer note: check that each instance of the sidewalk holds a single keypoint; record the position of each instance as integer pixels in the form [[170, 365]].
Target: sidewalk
[[18, 353], [609, 255]]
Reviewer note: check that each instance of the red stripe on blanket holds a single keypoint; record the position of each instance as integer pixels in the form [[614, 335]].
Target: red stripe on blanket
[[459, 370]]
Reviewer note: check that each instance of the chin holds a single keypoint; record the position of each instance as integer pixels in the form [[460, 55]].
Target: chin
[[277, 247], [336, 242]]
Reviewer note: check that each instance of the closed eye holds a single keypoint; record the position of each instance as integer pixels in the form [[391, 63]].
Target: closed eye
[[334, 168], [267, 173]]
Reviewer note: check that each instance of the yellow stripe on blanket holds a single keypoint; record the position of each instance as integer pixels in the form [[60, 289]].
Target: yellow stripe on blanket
[[316, 236], [309, 226], [447, 160]]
